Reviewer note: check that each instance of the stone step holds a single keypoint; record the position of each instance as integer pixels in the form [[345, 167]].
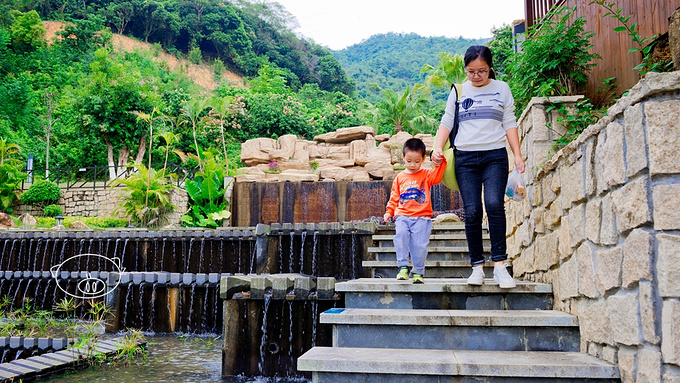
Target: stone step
[[434, 253], [489, 330], [433, 269], [436, 240], [348, 365], [444, 294]]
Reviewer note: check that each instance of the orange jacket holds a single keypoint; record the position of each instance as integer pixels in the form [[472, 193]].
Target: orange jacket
[[410, 195]]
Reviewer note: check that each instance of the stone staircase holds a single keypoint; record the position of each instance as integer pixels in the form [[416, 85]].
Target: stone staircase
[[446, 331]]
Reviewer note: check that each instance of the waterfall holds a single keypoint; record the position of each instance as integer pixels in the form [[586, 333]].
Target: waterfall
[[315, 320], [46, 294], [2, 255], [200, 258], [153, 305], [291, 257], [16, 292], [141, 305], [19, 257], [263, 342], [191, 244], [122, 255], [163, 254], [189, 327], [204, 313], [38, 245], [128, 295], [352, 253], [314, 245], [303, 236], [280, 252]]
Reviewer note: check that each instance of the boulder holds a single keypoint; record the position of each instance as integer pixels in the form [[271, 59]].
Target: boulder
[[78, 225], [358, 149], [382, 137], [293, 165], [345, 135], [301, 151], [286, 147], [250, 177], [28, 220], [341, 163], [253, 170], [257, 151], [333, 152], [397, 141], [298, 175], [379, 170], [360, 174], [335, 173], [379, 154], [445, 218], [6, 221]]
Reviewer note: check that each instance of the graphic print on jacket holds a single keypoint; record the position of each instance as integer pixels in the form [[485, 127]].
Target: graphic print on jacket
[[484, 106], [413, 193]]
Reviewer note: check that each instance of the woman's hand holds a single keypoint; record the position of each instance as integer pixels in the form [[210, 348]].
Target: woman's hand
[[437, 156], [519, 164]]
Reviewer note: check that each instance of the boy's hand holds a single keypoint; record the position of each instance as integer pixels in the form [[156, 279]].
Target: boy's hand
[[386, 217]]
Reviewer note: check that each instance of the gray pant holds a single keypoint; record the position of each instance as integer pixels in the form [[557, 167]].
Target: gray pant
[[413, 236]]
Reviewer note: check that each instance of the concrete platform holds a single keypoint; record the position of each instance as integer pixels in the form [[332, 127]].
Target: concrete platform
[[343, 364], [436, 238], [444, 294]]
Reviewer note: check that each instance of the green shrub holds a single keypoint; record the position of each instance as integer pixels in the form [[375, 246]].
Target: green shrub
[[41, 194], [52, 210], [556, 58], [195, 55]]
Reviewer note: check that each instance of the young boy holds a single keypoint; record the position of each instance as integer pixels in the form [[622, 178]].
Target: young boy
[[411, 206]]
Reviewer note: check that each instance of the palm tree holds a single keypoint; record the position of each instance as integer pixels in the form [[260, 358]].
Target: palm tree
[[222, 106], [7, 151], [192, 110], [449, 70], [404, 110], [150, 118], [169, 138]]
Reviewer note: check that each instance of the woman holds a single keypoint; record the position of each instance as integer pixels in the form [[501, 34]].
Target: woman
[[487, 120]]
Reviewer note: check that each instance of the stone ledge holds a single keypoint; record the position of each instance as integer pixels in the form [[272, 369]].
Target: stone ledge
[[415, 317], [439, 285], [456, 363]]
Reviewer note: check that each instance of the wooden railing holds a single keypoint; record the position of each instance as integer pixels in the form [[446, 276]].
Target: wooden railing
[[534, 10]]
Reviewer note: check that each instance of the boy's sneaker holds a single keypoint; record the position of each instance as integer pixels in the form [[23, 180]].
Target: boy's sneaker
[[417, 278], [477, 276], [403, 274], [501, 275]]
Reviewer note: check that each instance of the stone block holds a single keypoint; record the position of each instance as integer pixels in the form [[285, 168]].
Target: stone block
[[567, 280], [537, 216], [593, 220], [623, 310], [637, 257], [614, 166], [600, 160], [648, 313], [668, 265], [666, 202], [649, 364], [636, 147], [585, 257], [553, 216], [589, 163], [627, 364], [577, 225], [563, 244], [663, 124], [608, 231], [608, 269], [670, 328], [573, 183], [595, 325], [548, 194], [631, 204], [325, 287]]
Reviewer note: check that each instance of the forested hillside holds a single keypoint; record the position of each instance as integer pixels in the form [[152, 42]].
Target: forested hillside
[[393, 61]]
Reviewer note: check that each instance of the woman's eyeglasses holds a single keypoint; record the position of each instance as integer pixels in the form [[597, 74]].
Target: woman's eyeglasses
[[481, 73]]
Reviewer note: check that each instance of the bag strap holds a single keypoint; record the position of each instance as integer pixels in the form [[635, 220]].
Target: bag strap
[[454, 128]]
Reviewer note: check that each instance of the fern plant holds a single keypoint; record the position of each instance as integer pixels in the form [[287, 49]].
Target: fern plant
[[208, 205], [146, 199]]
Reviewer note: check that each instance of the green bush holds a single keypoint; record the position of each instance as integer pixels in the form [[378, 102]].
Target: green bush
[[52, 210], [556, 58], [41, 194]]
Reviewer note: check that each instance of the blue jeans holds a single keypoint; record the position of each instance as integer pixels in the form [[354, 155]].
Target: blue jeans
[[412, 236], [475, 169]]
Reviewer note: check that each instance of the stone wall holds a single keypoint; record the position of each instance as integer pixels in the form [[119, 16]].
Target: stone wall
[[602, 224], [102, 203]]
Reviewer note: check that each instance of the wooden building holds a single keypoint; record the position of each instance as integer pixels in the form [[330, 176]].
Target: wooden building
[[650, 15]]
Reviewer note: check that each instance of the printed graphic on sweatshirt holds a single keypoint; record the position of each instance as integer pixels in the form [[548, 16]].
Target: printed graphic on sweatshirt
[[485, 106]]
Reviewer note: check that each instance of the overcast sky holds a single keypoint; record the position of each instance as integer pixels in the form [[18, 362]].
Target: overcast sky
[[338, 24]]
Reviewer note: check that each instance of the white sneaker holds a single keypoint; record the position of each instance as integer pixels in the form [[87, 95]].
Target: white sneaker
[[477, 276], [501, 275]]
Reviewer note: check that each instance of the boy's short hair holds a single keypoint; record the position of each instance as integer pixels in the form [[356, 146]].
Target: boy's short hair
[[414, 145]]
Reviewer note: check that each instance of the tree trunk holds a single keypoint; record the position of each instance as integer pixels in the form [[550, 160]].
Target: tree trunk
[[109, 155], [123, 155], [141, 150]]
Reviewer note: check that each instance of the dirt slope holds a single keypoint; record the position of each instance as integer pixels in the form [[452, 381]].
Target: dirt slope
[[202, 75]]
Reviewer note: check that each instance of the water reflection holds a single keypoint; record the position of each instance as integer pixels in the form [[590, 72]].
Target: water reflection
[[171, 359]]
